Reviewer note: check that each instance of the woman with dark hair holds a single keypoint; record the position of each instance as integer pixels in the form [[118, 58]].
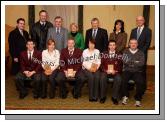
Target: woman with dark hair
[[90, 66], [119, 35]]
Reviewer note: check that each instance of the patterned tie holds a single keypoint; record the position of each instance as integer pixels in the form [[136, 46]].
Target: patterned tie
[[138, 33], [94, 34], [71, 53]]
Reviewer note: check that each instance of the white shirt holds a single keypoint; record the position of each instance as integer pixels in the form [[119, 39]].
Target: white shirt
[[42, 22], [28, 52], [71, 50], [51, 58], [133, 51], [141, 28], [90, 57], [58, 29], [112, 54], [21, 32]]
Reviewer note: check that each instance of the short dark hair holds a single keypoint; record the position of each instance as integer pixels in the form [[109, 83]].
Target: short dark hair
[[42, 11], [95, 19], [71, 38], [30, 40], [122, 25], [58, 17], [92, 41], [112, 41], [20, 19]]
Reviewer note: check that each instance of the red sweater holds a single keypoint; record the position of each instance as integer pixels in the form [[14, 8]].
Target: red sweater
[[74, 62], [116, 61], [26, 65]]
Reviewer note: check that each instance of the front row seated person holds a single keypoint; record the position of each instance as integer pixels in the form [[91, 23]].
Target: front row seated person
[[111, 66], [50, 65], [133, 70], [70, 67], [91, 64], [30, 68]]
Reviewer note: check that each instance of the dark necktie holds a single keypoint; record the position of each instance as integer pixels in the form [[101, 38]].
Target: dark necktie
[[58, 31]]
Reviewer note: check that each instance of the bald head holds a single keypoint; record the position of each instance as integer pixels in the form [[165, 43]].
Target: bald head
[[140, 21]]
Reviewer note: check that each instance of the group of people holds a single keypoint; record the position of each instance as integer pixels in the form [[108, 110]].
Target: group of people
[[56, 55]]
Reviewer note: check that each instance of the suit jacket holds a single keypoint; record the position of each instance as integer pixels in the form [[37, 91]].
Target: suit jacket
[[73, 62], [101, 39], [39, 34], [61, 40], [33, 65], [116, 61], [144, 39], [121, 40], [17, 42]]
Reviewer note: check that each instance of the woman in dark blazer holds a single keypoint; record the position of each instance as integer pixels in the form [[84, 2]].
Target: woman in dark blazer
[[119, 35]]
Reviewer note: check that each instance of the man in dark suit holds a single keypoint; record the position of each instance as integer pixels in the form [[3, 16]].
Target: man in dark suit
[[40, 29], [70, 68], [30, 69], [143, 35], [17, 42], [98, 34], [111, 66]]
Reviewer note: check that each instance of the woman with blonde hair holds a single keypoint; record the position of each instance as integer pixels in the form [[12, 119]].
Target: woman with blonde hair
[[78, 37]]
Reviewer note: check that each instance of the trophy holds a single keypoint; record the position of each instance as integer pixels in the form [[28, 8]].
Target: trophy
[[94, 67], [110, 67], [70, 72], [47, 68]]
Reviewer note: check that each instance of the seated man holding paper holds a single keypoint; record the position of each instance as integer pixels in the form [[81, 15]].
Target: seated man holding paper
[[91, 64], [70, 66], [133, 69], [111, 66]]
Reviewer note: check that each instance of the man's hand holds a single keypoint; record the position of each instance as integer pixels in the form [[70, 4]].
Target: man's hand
[[16, 60], [31, 73]]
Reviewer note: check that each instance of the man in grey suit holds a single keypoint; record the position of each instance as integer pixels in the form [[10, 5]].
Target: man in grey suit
[[58, 33]]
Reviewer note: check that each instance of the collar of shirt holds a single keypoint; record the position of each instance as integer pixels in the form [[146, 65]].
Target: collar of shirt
[[42, 22], [71, 49], [141, 28], [58, 29], [117, 31], [21, 31], [30, 52], [95, 30], [133, 51]]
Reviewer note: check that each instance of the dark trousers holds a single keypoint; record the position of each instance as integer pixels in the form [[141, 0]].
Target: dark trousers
[[93, 82], [52, 83], [61, 80], [36, 78], [15, 67], [139, 81], [116, 85]]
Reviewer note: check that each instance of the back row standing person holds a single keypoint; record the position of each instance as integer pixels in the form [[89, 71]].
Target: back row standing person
[[119, 35], [143, 36], [98, 34], [17, 43], [39, 30], [58, 33]]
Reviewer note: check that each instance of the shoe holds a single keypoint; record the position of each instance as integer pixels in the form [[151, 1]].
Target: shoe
[[91, 100], [138, 104], [22, 96], [43, 97], [36, 96], [94, 100], [102, 100], [124, 101], [115, 101]]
